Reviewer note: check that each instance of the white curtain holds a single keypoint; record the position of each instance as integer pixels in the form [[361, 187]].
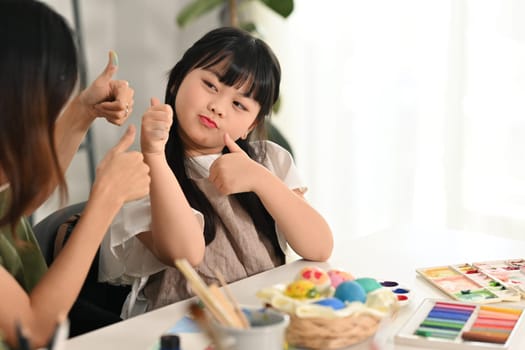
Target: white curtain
[[406, 112]]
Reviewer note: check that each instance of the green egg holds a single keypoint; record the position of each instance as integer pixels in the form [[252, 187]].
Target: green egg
[[368, 284]]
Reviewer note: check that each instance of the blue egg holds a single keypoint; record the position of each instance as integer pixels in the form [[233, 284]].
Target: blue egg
[[350, 291], [334, 303]]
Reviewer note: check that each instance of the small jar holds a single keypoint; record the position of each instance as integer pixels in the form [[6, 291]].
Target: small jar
[[170, 342]]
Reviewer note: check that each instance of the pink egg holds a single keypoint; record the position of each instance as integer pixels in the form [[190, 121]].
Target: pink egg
[[339, 276]]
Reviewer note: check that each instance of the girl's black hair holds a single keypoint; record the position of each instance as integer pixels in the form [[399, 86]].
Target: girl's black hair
[[247, 60]]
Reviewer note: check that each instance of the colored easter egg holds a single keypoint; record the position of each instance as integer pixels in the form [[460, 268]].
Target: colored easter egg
[[333, 303], [350, 291], [301, 289], [369, 284], [317, 276], [339, 276]]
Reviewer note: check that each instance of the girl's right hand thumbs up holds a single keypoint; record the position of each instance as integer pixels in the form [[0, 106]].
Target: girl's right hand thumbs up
[[156, 123], [122, 174]]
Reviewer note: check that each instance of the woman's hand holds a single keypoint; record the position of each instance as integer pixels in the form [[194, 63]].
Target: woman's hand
[[108, 98], [156, 123], [122, 175]]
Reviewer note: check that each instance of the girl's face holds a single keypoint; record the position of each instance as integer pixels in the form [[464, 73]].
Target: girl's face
[[206, 109]]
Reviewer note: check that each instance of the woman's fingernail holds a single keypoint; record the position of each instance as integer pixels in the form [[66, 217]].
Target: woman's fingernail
[[114, 58]]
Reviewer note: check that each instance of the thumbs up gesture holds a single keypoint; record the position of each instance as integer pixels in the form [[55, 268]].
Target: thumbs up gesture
[[156, 123], [108, 98], [234, 172], [122, 175]]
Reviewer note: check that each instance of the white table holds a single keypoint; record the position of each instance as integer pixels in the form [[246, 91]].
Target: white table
[[387, 255]]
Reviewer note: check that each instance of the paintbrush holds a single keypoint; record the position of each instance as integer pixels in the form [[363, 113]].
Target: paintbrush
[[228, 307], [240, 315], [60, 335], [199, 315], [23, 340], [202, 291]]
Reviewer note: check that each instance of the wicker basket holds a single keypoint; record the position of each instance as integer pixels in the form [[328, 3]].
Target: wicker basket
[[334, 333]]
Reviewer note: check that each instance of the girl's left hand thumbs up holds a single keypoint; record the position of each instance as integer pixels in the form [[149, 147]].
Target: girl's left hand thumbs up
[[232, 145]]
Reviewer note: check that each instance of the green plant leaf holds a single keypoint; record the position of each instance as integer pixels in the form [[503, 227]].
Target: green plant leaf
[[248, 26], [277, 105], [282, 7], [196, 9]]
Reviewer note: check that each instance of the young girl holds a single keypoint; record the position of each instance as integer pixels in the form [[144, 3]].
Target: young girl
[[38, 73], [219, 196]]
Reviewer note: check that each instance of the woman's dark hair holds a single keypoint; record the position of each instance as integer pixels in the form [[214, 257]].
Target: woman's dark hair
[[247, 60], [38, 72]]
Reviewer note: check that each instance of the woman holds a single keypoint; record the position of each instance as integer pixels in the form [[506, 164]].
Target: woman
[[41, 126]]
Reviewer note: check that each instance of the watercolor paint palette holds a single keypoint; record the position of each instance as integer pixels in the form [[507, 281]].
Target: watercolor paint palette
[[511, 272], [470, 283], [462, 326], [402, 292]]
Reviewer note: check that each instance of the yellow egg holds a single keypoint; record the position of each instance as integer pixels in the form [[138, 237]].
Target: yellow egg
[[301, 289]]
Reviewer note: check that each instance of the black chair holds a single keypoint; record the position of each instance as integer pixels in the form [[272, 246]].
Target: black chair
[[46, 230], [98, 304]]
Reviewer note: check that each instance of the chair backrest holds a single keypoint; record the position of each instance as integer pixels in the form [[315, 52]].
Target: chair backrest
[[98, 304], [46, 230]]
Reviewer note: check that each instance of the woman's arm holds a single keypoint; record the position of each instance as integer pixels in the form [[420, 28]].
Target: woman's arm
[[121, 176], [304, 228], [105, 97], [175, 231]]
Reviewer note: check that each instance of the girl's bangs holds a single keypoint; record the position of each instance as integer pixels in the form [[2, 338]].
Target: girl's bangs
[[234, 72]]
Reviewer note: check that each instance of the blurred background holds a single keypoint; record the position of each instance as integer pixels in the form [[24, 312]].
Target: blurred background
[[399, 113]]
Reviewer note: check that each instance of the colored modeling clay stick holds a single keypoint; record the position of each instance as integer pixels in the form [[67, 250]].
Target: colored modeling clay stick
[[442, 325], [450, 309], [488, 329], [497, 315], [504, 310], [504, 328], [494, 323], [456, 306], [436, 333], [448, 315], [487, 337], [497, 318], [451, 312], [456, 322]]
